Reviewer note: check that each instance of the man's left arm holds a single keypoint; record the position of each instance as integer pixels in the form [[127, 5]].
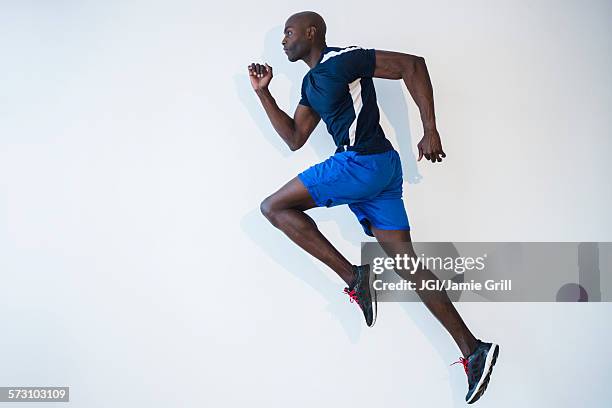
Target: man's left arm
[[412, 69]]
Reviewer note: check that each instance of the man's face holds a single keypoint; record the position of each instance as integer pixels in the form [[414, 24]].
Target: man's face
[[295, 43]]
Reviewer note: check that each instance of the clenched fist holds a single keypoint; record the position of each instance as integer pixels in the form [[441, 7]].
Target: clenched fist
[[260, 76], [430, 146]]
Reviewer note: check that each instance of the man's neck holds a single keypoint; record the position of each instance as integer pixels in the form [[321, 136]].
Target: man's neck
[[315, 53]]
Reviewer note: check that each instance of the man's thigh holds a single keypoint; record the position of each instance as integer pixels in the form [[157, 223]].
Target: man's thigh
[[292, 195], [394, 242]]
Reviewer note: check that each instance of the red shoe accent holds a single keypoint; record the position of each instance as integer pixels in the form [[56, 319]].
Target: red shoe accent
[[352, 294], [463, 361]]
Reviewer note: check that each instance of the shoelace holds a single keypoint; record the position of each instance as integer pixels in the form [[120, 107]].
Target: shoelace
[[463, 361], [352, 294]]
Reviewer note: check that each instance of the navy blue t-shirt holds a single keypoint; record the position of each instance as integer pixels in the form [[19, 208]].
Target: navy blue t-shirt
[[340, 89]]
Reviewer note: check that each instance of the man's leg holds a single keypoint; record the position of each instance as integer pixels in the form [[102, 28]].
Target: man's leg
[[285, 210], [398, 242]]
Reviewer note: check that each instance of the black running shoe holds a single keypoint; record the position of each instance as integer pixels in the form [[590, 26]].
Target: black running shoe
[[362, 292], [478, 367]]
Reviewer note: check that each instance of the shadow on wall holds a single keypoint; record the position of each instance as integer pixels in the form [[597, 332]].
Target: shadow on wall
[[392, 104], [302, 266]]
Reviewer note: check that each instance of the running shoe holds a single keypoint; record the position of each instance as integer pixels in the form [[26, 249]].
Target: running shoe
[[362, 293], [478, 367]]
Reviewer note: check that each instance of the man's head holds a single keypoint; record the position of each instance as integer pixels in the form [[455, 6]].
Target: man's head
[[302, 32]]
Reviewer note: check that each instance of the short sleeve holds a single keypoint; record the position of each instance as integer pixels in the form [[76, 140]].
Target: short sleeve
[[359, 62], [304, 98]]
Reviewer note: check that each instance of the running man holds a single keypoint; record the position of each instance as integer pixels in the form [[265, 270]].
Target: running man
[[365, 171]]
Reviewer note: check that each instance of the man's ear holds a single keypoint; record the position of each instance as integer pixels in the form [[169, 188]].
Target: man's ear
[[310, 32]]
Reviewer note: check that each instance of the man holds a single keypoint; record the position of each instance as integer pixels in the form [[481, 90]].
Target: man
[[365, 172]]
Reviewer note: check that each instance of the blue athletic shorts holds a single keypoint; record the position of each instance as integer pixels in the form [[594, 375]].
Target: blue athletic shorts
[[371, 185]]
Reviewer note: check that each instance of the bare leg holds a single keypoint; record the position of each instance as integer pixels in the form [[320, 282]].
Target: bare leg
[[399, 243], [285, 210]]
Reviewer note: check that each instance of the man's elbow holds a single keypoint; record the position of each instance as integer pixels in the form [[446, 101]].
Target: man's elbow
[[295, 144], [411, 64], [415, 59]]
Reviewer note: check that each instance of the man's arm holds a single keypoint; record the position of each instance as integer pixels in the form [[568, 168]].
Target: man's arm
[[294, 131], [412, 69]]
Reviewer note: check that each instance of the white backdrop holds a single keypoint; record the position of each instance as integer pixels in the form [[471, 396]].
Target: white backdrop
[[138, 270]]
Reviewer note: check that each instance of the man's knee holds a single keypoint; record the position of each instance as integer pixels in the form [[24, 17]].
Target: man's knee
[[266, 207], [269, 209]]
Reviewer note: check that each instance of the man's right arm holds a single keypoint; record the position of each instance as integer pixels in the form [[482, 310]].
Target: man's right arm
[[294, 131]]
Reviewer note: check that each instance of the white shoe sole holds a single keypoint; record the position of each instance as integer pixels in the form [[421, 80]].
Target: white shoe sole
[[486, 373]]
